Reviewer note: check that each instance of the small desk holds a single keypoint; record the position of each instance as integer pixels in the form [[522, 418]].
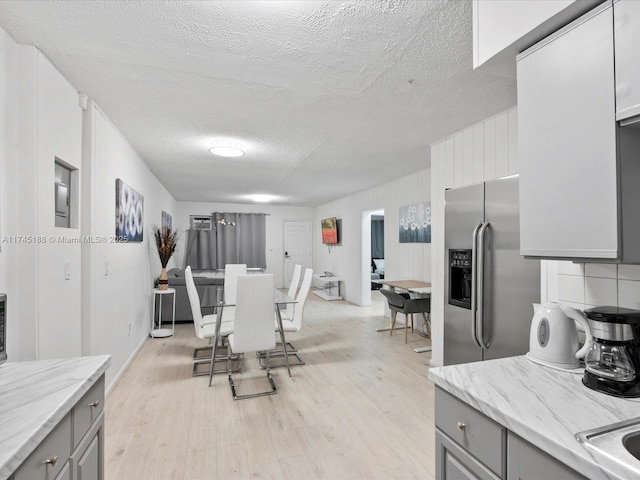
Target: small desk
[[280, 299], [421, 290], [408, 285], [162, 332]]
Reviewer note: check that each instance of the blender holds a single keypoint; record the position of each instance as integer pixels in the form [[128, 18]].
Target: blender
[[612, 363]]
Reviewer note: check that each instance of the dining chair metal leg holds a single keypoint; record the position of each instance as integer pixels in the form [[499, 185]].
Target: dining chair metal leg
[[284, 342], [273, 390], [202, 352], [280, 353], [215, 346], [199, 371]]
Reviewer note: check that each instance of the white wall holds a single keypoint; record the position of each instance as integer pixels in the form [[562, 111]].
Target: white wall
[[274, 227], [117, 306], [502, 29], [481, 152], [500, 23], [59, 135], [89, 313], [9, 199], [402, 260], [41, 120]]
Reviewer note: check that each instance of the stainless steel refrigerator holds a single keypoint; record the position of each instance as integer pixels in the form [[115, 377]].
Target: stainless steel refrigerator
[[489, 287]]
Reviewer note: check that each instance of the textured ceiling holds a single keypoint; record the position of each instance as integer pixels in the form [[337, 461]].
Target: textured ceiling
[[326, 97]]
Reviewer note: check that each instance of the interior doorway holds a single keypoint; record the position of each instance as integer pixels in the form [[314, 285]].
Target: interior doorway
[[372, 224], [297, 247]]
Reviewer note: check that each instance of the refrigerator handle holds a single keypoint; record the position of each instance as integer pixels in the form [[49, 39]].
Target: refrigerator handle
[[480, 303], [474, 286]]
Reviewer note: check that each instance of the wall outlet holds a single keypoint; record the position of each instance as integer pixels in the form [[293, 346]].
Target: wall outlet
[[67, 270]]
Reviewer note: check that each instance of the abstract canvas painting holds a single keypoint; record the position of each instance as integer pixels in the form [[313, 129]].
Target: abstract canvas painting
[[129, 213], [415, 223], [166, 223]]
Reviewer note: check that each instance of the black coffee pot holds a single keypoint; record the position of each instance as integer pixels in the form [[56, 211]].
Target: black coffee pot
[[612, 363]]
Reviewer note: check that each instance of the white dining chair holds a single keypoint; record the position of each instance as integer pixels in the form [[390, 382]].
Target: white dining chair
[[287, 312], [231, 273], [294, 324], [204, 326], [253, 328]]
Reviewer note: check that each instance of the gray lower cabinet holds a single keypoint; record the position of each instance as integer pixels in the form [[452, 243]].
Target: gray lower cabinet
[[74, 449], [455, 463], [527, 462], [49, 458], [471, 446], [87, 461], [65, 473]]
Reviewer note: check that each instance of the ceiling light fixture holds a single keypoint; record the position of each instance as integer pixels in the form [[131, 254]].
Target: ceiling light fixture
[[226, 151], [261, 198]]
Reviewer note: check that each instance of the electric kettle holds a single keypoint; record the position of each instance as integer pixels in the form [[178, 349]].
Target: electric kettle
[[553, 340]]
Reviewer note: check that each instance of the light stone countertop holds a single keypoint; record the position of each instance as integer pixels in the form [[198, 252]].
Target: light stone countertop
[[544, 406], [35, 396]]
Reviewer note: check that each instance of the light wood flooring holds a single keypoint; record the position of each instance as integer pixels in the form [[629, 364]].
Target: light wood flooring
[[361, 408]]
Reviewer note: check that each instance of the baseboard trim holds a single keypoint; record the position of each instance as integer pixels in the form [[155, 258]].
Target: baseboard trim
[[118, 375]]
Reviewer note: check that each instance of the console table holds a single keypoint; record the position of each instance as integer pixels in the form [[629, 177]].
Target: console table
[[327, 286]]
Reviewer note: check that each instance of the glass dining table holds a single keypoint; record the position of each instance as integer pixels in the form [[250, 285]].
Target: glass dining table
[[281, 299]]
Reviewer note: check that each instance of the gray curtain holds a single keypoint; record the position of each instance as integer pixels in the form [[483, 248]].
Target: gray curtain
[[244, 242], [200, 249], [377, 237]]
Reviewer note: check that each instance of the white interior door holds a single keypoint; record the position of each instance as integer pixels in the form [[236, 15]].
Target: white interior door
[[297, 247]]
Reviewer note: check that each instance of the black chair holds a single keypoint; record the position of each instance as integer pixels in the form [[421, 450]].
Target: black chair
[[402, 303]]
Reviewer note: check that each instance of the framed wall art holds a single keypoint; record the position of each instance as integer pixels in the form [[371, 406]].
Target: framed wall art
[[166, 223], [129, 213], [415, 223]]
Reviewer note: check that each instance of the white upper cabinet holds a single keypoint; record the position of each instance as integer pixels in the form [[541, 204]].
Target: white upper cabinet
[[578, 169], [627, 40]]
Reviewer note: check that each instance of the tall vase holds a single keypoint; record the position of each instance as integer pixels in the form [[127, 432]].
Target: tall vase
[[163, 281]]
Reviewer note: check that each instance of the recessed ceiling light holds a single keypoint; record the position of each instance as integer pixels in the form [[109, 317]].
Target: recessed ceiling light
[[261, 198], [226, 151]]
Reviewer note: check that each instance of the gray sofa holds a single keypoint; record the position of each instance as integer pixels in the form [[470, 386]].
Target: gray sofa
[[209, 285]]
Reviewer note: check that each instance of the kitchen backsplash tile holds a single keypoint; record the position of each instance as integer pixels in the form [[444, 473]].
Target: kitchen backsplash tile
[[601, 291], [629, 272], [570, 268], [601, 270], [571, 288], [629, 294]]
